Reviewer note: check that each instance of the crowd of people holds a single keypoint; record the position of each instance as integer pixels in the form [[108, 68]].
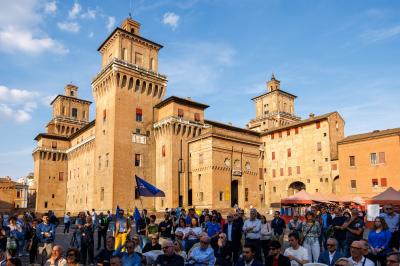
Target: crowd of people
[[327, 236]]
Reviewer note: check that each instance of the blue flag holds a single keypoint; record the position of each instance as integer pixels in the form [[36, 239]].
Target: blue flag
[[117, 212], [136, 216], [147, 190]]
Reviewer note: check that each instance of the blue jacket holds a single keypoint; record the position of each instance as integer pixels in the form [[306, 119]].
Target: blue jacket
[[43, 228], [324, 257]]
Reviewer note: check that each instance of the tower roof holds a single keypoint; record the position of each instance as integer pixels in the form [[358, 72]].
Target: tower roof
[[126, 27], [69, 97], [188, 102]]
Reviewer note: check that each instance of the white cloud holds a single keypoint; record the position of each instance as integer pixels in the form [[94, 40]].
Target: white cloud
[[69, 26], [50, 7], [16, 95], [195, 69], [89, 14], [381, 34], [75, 10], [171, 19], [111, 23], [91, 34], [16, 39], [22, 116], [17, 105], [20, 29], [46, 100]]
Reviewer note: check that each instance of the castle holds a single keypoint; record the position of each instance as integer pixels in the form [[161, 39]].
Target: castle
[[80, 164]]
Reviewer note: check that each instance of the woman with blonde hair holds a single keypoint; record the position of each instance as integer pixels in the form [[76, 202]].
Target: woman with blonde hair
[[178, 247]]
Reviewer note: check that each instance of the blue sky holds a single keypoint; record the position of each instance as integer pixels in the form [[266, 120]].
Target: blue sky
[[334, 55]]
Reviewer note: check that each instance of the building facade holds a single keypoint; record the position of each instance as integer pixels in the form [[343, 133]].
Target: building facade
[[80, 164], [13, 195], [370, 162]]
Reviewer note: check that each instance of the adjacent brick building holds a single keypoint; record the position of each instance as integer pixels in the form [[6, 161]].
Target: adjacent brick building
[[370, 162]]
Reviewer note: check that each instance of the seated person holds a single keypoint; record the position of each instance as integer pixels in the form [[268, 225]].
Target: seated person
[[297, 254], [249, 257], [202, 254], [104, 256], [275, 257], [153, 245], [169, 258], [128, 257], [332, 253]]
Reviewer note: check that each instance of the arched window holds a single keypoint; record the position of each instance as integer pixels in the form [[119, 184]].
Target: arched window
[[137, 87]]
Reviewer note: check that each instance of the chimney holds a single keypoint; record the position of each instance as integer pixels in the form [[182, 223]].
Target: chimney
[[311, 115]]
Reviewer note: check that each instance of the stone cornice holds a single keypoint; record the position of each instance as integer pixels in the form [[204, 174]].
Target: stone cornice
[[175, 119]]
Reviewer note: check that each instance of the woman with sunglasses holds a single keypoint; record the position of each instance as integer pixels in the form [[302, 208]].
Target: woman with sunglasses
[[178, 247], [379, 239], [73, 257]]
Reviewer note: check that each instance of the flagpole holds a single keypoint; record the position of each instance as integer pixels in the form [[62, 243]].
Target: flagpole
[[141, 203]]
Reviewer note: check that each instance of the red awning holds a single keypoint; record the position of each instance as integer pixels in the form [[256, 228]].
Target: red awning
[[301, 197], [389, 196]]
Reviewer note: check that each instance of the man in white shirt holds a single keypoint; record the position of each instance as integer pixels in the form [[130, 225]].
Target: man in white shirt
[[357, 258], [296, 253], [252, 230]]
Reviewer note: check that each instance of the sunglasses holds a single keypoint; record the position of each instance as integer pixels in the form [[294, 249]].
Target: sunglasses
[[330, 245], [70, 255]]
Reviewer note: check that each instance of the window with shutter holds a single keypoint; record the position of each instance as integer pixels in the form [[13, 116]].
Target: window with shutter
[[352, 160], [374, 182], [353, 184], [382, 158], [272, 136], [139, 115], [289, 152], [296, 130], [281, 171], [273, 173], [180, 112], [273, 155], [384, 182], [373, 158], [196, 117], [289, 171], [318, 124], [298, 169]]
